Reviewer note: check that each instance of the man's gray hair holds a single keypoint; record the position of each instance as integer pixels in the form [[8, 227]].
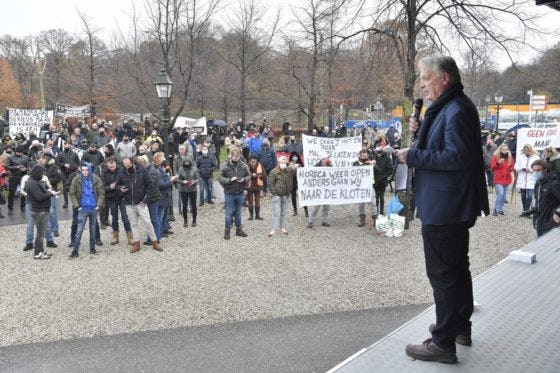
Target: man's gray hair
[[441, 64]]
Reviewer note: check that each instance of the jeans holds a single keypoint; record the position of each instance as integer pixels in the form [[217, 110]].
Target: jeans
[[234, 204], [446, 250], [526, 198], [29, 227], [114, 207], [315, 211], [74, 227], [154, 218], [163, 216], [185, 198], [12, 186], [205, 185], [279, 206], [84, 215], [41, 220], [53, 219], [489, 178], [140, 214], [501, 191]]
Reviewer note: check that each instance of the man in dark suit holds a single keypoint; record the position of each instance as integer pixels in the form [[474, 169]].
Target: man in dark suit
[[450, 192]]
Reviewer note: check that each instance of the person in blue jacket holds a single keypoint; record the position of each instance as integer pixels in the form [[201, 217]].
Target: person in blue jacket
[[450, 191], [267, 157]]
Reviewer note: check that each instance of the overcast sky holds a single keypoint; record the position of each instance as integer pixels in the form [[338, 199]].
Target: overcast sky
[[28, 17]]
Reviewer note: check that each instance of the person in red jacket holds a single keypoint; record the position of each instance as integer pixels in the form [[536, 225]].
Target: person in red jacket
[[502, 164]]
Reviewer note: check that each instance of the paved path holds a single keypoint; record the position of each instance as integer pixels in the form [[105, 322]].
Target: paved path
[[299, 344]]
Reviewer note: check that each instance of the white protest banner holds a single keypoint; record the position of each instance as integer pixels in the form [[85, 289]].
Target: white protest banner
[[343, 151], [334, 185], [538, 138], [28, 121], [73, 111]]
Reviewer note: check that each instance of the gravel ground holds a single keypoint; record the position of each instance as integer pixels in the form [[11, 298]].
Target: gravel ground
[[201, 278]]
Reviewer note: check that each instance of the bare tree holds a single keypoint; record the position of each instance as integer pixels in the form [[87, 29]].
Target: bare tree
[[55, 45], [94, 49], [245, 43], [417, 25]]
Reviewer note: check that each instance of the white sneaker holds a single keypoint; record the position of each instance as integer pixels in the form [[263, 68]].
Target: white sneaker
[[42, 255], [272, 233], [284, 230]]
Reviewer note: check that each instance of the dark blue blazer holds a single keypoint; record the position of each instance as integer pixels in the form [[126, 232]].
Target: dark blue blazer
[[449, 184]]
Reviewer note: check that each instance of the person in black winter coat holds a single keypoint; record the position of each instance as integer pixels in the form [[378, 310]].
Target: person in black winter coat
[[17, 164], [206, 166], [40, 199], [547, 198], [381, 171], [68, 162]]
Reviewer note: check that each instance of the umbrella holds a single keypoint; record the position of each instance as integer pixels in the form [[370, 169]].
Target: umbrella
[[219, 123]]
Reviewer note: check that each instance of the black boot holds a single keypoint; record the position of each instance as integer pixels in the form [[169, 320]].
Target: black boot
[[239, 232], [185, 222], [258, 213], [250, 213], [227, 234], [193, 221]]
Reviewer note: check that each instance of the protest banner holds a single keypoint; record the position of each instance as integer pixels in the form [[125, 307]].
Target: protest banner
[[28, 121], [191, 124], [64, 111], [342, 151], [538, 138], [334, 185]]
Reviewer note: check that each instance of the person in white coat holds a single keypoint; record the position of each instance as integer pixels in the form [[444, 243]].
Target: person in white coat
[[525, 175]]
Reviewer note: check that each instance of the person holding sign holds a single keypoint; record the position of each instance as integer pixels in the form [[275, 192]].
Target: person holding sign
[[324, 162], [363, 160], [450, 191], [281, 182]]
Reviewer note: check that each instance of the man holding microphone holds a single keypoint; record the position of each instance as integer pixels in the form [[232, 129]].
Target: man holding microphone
[[450, 192]]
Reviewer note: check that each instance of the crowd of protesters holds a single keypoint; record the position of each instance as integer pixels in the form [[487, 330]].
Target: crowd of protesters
[[120, 172]]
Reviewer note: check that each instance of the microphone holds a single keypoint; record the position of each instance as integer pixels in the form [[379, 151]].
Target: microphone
[[417, 110]]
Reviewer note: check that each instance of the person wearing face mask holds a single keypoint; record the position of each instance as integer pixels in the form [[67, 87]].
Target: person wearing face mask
[[363, 160], [381, 171], [234, 176], [186, 183], [295, 162], [502, 164], [126, 148], [93, 157], [281, 185], [254, 187], [267, 157], [293, 146], [547, 198], [206, 166], [101, 139], [68, 162]]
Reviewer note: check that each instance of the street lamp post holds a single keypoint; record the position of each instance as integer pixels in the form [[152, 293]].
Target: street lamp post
[[498, 97], [487, 99], [163, 85]]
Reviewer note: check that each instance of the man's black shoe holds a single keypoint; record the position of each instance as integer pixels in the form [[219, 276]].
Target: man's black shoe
[[74, 255], [171, 218], [326, 225], [71, 244], [56, 234], [65, 206], [51, 244], [462, 339], [93, 251], [98, 242], [210, 202], [428, 351], [27, 247]]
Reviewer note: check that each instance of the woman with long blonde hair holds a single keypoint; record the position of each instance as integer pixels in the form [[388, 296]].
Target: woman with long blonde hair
[[502, 164], [525, 175]]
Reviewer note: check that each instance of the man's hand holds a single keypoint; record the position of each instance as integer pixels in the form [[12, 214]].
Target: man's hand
[[402, 154], [413, 124], [113, 185], [234, 178]]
